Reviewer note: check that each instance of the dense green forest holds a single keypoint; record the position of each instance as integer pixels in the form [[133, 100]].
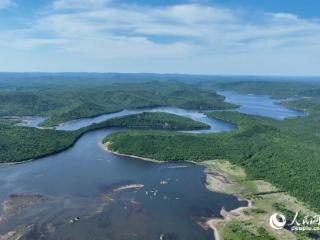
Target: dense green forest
[[62, 103], [275, 89], [152, 120], [23, 143], [285, 153]]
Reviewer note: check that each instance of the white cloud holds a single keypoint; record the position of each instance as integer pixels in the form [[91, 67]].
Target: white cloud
[[78, 4], [176, 34], [210, 27], [284, 16], [6, 3]]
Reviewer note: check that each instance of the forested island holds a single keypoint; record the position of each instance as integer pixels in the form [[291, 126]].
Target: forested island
[[23, 143], [59, 102], [285, 153], [62, 102]]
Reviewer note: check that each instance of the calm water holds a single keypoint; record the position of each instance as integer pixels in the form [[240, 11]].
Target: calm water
[[215, 124], [260, 105], [76, 179], [82, 182]]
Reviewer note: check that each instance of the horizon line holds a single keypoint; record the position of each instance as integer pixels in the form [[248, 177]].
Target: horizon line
[[159, 73]]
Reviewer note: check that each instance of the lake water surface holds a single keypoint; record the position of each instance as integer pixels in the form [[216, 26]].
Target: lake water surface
[[118, 197], [260, 105]]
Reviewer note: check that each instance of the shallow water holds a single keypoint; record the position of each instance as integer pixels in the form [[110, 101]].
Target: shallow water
[[76, 180], [82, 182]]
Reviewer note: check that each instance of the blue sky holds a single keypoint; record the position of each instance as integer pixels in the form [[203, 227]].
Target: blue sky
[[263, 37]]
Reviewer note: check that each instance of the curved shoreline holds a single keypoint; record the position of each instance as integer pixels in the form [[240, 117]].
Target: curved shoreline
[[46, 154], [223, 182], [105, 147], [212, 223], [227, 216]]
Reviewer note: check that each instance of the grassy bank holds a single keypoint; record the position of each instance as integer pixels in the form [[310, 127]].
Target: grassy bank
[[253, 222], [284, 153]]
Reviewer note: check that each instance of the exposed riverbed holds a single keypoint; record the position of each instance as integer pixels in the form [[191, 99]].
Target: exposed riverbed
[[88, 193]]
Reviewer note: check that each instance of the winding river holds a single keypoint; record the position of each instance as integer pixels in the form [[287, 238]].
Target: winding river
[[88, 193]]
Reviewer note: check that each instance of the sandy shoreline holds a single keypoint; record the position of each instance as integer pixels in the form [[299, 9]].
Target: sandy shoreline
[[16, 163], [129, 186], [105, 147], [217, 224], [224, 177], [220, 179]]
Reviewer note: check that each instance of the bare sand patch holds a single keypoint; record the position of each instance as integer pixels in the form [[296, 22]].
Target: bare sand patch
[[106, 145], [15, 203], [222, 176]]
